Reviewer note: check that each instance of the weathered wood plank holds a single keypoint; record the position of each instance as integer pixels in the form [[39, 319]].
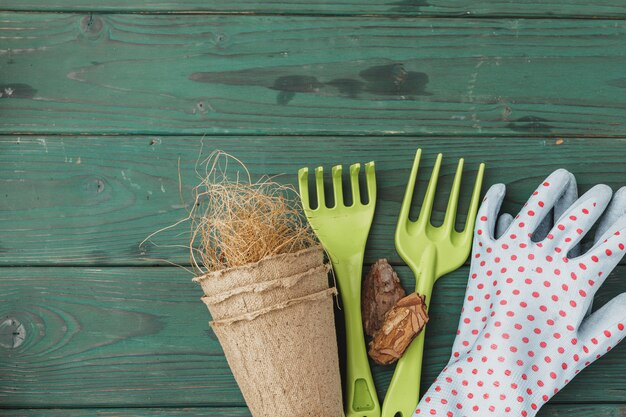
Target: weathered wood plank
[[177, 412], [91, 200], [550, 410], [180, 74], [534, 8], [137, 337]]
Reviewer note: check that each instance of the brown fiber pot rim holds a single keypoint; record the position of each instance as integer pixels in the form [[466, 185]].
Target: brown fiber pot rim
[[215, 282]]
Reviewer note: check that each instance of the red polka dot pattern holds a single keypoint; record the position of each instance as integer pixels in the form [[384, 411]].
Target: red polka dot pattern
[[520, 339]]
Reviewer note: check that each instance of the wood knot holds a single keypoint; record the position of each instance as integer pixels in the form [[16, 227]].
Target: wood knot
[[220, 40], [99, 184], [12, 333], [91, 24], [93, 186]]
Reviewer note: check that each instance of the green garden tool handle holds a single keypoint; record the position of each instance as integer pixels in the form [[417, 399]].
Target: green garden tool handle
[[404, 390], [361, 399]]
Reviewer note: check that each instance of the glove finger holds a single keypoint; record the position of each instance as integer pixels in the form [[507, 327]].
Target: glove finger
[[568, 198], [504, 221], [488, 212], [602, 331], [605, 254], [562, 204], [594, 266], [470, 322], [616, 209], [540, 203], [572, 226]]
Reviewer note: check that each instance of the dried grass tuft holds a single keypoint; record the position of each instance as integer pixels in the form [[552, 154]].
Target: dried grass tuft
[[234, 222]]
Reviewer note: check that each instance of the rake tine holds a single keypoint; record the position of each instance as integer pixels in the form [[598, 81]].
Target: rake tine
[[473, 208], [370, 175], [354, 183], [449, 220], [337, 186], [303, 184], [410, 187], [319, 187], [427, 206]]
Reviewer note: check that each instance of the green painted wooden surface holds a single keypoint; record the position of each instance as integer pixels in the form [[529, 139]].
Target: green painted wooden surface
[[456, 8], [550, 410], [183, 74], [91, 200], [139, 337], [98, 103]]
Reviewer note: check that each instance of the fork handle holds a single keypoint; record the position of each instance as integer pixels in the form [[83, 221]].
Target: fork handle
[[404, 390], [361, 398]]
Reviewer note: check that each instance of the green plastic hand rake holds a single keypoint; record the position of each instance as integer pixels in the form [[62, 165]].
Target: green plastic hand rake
[[343, 231], [430, 252]]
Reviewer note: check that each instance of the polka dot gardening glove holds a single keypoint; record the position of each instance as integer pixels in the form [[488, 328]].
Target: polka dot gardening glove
[[523, 333]]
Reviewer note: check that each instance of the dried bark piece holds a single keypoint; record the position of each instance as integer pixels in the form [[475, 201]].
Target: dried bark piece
[[381, 291], [402, 323]]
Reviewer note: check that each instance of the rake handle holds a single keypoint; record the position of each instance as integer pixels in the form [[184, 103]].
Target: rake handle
[[404, 390], [361, 397]]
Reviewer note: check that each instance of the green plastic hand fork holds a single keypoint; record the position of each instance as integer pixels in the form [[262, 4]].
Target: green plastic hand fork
[[430, 252], [343, 231]]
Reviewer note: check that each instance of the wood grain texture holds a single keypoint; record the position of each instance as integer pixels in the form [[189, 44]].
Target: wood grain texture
[[183, 74], [181, 412], [92, 200], [456, 8], [139, 337], [550, 410]]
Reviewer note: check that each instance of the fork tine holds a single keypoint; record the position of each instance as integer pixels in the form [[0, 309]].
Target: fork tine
[[427, 205], [319, 187], [354, 183], [449, 220], [370, 175], [337, 185], [410, 187], [473, 208], [303, 184]]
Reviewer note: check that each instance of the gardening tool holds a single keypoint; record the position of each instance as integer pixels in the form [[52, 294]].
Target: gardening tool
[[343, 231], [430, 252]]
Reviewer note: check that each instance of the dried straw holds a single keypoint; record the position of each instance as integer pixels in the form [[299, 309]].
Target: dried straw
[[235, 221]]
